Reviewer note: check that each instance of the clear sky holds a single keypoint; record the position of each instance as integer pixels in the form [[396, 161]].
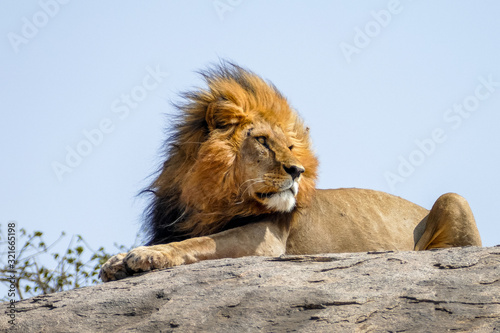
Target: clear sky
[[401, 96]]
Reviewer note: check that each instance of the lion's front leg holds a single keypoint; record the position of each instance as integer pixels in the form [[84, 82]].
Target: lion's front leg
[[262, 239], [147, 258]]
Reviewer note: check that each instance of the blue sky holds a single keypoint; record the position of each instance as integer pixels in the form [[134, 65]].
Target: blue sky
[[401, 96]]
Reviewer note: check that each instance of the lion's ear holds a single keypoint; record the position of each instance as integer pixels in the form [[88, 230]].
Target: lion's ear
[[222, 114]]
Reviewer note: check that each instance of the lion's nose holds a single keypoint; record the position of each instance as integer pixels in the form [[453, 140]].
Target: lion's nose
[[294, 171]]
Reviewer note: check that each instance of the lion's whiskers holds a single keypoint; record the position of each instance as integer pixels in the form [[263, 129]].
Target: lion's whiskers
[[252, 181]]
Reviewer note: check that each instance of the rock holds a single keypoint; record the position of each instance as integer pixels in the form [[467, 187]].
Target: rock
[[433, 291]]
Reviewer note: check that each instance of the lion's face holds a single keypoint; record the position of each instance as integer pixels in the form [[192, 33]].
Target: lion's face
[[253, 167], [268, 171]]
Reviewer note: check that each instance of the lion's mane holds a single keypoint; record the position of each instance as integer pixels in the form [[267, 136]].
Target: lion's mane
[[196, 192]]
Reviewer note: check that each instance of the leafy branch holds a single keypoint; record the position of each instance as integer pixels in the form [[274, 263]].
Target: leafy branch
[[76, 267]]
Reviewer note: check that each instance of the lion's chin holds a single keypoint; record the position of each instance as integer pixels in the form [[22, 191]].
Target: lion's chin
[[283, 201]]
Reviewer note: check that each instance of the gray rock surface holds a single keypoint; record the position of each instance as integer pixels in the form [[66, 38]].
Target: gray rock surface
[[434, 291]]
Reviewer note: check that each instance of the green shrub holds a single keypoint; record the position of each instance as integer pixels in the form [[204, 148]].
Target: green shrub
[[77, 266]]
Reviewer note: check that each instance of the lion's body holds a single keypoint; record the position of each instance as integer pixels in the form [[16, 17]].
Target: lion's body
[[355, 220], [239, 179]]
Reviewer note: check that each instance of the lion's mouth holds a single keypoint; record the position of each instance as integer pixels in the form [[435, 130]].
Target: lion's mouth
[[266, 195], [279, 201]]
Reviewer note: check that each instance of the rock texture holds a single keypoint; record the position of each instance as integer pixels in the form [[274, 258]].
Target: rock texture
[[454, 290]]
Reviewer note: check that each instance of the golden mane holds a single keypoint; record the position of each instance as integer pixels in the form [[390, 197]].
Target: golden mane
[[196, 192]]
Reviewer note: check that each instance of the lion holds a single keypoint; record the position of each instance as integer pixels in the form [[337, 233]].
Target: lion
[[239, 180]]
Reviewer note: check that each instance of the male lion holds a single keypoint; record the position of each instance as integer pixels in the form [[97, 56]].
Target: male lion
[[239, 180]]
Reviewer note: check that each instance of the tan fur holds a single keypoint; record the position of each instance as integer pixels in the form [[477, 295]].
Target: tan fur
[[240, 151]]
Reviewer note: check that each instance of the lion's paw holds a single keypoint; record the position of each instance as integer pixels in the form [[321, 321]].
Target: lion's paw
[[140, 259], [146, 258], [114, 268]]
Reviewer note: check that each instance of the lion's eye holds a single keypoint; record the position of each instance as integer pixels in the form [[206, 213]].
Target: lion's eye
[[262, 140], [291, 147]]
